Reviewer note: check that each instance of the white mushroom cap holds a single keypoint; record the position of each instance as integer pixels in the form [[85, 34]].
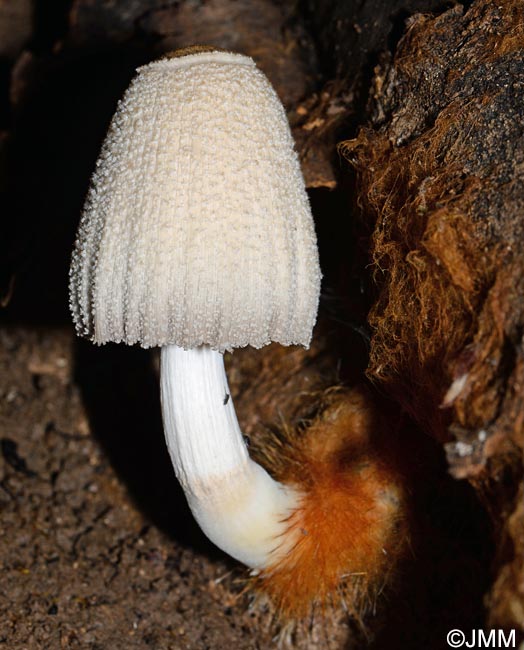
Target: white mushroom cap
[[197, 228]]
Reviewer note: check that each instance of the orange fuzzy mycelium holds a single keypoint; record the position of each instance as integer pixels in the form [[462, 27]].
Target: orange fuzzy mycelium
[[346, 536]]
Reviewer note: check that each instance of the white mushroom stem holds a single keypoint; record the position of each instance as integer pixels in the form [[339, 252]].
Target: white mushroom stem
[[236, 503]]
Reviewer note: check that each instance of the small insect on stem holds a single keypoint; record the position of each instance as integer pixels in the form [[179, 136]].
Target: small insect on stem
[[226, 398]]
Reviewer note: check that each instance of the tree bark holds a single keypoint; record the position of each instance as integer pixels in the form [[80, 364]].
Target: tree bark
[[439, 191]]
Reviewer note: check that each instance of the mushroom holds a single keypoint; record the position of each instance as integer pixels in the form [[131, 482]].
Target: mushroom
[[197, 237]]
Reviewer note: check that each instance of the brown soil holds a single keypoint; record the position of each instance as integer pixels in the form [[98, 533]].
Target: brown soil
[[98, 548]]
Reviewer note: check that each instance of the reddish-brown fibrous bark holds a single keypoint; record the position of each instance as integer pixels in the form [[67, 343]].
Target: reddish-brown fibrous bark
[[439, 185]]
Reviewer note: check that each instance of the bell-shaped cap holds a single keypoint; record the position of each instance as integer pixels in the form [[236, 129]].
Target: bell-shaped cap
[[197, 228]]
